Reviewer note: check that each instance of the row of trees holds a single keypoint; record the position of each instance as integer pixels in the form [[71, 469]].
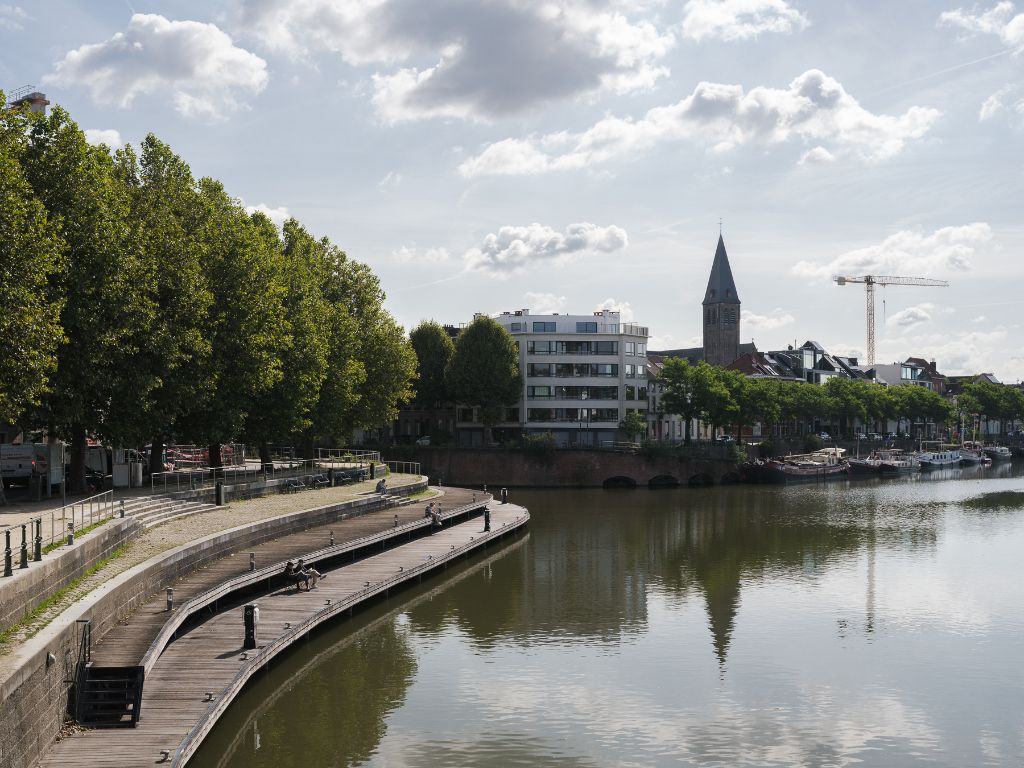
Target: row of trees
[[479, 369], [723, 397], [139, 304]]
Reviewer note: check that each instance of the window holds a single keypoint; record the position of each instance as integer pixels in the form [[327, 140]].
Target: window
[[586, 327], [630, 347], [641, 349], [541, 347], [535, 393], [540, 369], [543, 327], [516, 327], [606, 347], [466, 414], [630, 392]]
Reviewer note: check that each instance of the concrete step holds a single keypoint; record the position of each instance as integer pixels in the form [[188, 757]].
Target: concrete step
[[184, 509]]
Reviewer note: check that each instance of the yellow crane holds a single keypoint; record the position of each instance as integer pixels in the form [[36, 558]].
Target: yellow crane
[[870, 281]]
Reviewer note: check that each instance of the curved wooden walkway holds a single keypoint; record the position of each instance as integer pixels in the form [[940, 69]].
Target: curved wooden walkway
[[197, 676]]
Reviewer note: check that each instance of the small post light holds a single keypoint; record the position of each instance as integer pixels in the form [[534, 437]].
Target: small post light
[[71, 533], [165, 755], [396, 521], [209, 695], [252, 561], [8, 562], [170, 598], [327, 601], [122, 508], [332, 538], [38, 554], [287, 625]]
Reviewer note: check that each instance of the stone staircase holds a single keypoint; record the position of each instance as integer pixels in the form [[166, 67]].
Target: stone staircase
[[157, 510]]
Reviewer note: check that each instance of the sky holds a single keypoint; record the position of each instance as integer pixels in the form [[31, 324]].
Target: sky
[[574, 155]]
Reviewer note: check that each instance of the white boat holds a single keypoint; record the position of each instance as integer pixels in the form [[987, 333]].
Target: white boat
[[935, 455], [972, 453], [997, 452]]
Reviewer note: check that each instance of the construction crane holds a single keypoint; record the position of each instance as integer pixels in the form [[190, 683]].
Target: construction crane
[[870, 281]]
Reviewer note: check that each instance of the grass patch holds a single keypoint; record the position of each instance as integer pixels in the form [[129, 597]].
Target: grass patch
[[426, 493], [996, 500], [53, 599], [58, 544]]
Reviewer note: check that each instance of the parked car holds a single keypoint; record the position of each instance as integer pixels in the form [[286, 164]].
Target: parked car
[[825, 436], [425, 440], [890, 435], [725, 439], [874, 436]]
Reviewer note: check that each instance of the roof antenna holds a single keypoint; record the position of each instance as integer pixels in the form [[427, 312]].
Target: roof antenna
[[719, 226]]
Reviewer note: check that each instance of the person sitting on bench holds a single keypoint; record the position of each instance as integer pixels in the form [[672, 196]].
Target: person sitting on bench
[[295, 575], [310, 573]]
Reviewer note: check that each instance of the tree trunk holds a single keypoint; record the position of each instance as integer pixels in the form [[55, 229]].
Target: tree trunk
[[156, 454], [686, 430], [214, 455], [76, 478], [265, 456]]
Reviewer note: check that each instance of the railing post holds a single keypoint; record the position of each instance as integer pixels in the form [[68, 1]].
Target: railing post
[[8, 563], [24, 546], [122, 508]]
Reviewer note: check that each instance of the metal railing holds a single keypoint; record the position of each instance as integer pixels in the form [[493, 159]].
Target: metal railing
[[54, 527], [347, 455], [403, 467]]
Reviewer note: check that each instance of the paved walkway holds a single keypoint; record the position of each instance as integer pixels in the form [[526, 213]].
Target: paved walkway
[[177, 532], [199, 674]]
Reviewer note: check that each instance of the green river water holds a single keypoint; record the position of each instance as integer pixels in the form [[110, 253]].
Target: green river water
[[869, 623]]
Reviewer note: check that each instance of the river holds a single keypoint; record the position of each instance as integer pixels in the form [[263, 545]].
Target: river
[[870, 623]]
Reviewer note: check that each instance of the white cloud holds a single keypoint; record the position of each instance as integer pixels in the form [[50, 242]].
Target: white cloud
[[409, 254], [911, 316], [968, 352], [1002, 20], [817, 156], [392, 179], [668, 341], [196, 64], [516, 249], [813, 108], [909, 253], [739, 19], [997, 103], [488, 59], [109, 136], [777, 319], [624, 308], [12, 17], [276, 215], [545, 303]]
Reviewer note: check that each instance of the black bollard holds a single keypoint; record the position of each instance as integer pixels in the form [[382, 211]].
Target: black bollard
[[39, 540], [251, 614], [8, 561], [24, 547], [504, 495], [71, 533]]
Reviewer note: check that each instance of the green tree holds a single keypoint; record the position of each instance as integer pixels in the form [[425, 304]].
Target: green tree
[[166, 216], [387, 357], [107, 313], [286, 408], [32, 252], [434, 349], [634, 424], [687, 390], [246, 325], [484, 371]]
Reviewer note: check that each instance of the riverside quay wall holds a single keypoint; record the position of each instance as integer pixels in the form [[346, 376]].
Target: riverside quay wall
[[570, 468]]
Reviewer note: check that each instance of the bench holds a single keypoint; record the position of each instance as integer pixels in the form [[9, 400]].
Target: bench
[[292, 484], [319, 481]]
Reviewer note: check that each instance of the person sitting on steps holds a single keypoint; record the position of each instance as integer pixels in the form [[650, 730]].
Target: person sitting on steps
[[295, 575]]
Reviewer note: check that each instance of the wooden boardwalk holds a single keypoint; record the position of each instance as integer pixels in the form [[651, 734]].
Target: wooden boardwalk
[[127, 642], [198, 675]]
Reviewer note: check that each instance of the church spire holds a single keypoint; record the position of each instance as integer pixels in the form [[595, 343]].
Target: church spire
[[721, 287]]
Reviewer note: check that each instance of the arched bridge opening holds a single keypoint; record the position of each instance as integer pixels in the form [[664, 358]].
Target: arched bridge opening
[[663, 481], [619, 481]]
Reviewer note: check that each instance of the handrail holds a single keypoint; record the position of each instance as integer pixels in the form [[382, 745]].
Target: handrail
[[225, 588], [83, 512], [263, 655]]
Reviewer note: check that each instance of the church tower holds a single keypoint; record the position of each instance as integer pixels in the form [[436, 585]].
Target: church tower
[[721, 312]]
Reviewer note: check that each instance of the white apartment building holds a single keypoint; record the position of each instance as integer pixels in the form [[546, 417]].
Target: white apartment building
[[581, 375]]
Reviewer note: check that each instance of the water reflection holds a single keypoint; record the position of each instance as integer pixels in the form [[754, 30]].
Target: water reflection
[[872, 623]]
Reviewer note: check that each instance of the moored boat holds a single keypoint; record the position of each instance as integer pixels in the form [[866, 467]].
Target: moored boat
[[827, 464], [972, 453], [938, 455], [894, 461], [997, 452]]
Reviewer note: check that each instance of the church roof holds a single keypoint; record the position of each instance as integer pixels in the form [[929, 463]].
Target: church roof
[[721, 286]]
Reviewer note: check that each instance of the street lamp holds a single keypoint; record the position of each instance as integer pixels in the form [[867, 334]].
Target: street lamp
[[583, 397]]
